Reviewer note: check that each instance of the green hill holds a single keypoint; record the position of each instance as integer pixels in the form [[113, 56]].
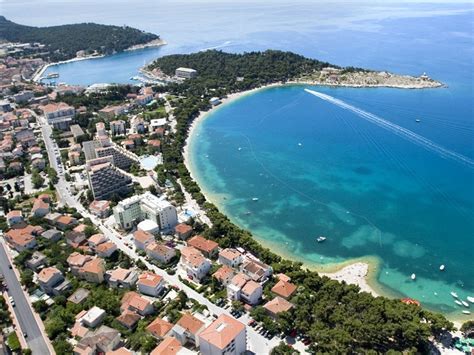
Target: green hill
[[64, 41]]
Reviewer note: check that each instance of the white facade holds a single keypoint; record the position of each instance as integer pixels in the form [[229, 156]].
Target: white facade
[[146, 206], [225, 335]]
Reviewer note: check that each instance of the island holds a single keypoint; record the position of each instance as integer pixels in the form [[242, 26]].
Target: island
[[75, 40]]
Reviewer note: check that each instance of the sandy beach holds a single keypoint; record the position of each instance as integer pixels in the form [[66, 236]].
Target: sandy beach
[[355, 273]]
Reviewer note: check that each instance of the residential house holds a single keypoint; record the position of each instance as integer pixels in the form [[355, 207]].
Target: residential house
[[14, 217], [224, 275], [105, 250], [40, 208], [20, 240], [93, 271], [95, 240], [142, 239], [129, 319], [52, 235], [170, 346], [284, 289], [277, 305], [37, 260], [102, 340], [225, 335], [159, 328], [256, 270], [251, 293], [194, 264], [93, 317], [187, 329], [100, 208], [59, 115], [79, 296], [183, 231], [231, 257], [52, 281], [150, 284], [64, 222], [75, 239], [207, 247], [160, 252], [76, 261], [126, 278], [132, 301]]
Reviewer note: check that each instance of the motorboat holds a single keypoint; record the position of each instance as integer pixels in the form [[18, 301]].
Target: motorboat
[[413, 276], [320, 239], [465, 304], [454, 294], [458, 302], [466, 312], [441, 268], [417, 120], [255, 199], [470, 299]]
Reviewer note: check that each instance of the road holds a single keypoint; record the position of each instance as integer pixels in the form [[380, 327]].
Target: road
[[256, 342], [23, 312]]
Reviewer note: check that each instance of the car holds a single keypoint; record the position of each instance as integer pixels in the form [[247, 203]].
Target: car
[[25, 335], [10, 266], [13, 303]]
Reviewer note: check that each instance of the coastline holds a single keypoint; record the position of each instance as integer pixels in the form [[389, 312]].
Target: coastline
[[361, 272], [155, 43]]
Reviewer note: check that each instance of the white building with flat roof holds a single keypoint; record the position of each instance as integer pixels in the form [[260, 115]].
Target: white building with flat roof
[[146, 206], [185, 73]]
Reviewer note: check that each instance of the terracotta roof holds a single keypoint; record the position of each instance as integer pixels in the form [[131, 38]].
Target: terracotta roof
[[169, 346], [250, 287], [149, 279], [192, 256], [135, 301], [119, 351], [47, 274], [283, 277], [55, 107], [95, 266], [80, 228], [284, 288], [66, 220], [76, 259], [78, 330], [20, 239], [14, 213], [143, 236], [159, 327], [119, 273], [39, 204], [159, 248], [154, 142], [222, 331], [223, 273], [278, 305], [183, 228], [190, 323], [230, 254], [101, 205], [239, 280], [128, 318], [203, 244], [104, 247], [97, 238]]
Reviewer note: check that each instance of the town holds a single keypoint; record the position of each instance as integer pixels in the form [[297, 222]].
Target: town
[[108, 259]]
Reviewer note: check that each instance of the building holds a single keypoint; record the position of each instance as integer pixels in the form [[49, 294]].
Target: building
[[92, 271], [14, 217], [251, 293], [214, 101], [146, 206], [105, 250], [160, 252], [142, 239], [230, 257], [133, 302], [52, 235], [256, 270], [113, 111], [284, 289], [100, 208], [59, 115], [95, 240], [65, 222], [77, 132], [20, 240], [277, 305], [125, 278], [149, 226], [159, 328], [171, 346], [40, 208], [37, 260], [234, 287], [194, 264], [128, 319], [224, 275], [75, 239], [52, 281], [223, 336], [187, 329], [117, 127], [150, 284], [76, 261], [79, 296], [207, 247], [105, 180], [185, 73], [93, 317], [183, 231], [102, 340]]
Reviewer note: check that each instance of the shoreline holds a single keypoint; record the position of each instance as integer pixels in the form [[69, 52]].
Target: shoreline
[[361, 271], [355, 271], [155, 43]]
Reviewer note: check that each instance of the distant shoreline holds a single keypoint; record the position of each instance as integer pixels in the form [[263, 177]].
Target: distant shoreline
[[154, 43]]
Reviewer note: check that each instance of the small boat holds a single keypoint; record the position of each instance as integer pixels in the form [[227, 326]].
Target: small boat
[[466, 312], [248, 212], [300, 144], [470, 299], [458, 302], [413, 276], [240, 148], [320, 239], [454, 294], [417, 120], [465, 304], [441, 268], [255, 199]]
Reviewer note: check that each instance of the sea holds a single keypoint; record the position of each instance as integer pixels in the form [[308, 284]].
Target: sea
[[386, 175]]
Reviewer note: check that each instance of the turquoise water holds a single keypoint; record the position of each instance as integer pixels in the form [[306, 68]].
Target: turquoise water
[[370, 191], [318, 169]]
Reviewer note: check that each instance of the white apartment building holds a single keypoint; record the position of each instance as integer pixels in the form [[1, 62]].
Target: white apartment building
[[225, 335], [146, 206]]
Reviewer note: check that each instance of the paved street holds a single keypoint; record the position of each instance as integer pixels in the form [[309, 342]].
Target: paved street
[[22, 309]]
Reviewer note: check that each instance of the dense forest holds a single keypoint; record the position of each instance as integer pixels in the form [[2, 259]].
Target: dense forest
[[335, 316], [64, 41]]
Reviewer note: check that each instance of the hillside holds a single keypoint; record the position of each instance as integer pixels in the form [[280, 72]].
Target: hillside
[[64, 41]]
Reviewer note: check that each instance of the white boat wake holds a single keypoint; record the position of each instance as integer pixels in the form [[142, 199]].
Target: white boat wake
[[398, 130]]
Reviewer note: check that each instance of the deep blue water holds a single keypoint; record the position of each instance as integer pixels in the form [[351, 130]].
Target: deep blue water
[[371, 192]]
